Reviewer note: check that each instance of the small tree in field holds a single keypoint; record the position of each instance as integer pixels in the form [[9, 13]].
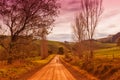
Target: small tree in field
[[61, 50], [20, 18]]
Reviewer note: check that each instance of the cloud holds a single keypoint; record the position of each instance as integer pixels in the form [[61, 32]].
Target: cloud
[[66, 18], [60, 37], [72, 2], [70, 6], [111, 13], [70, 9], [100, 35], [112, 26]]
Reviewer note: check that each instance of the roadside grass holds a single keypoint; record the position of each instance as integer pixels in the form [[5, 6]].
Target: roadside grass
[[20, 67], [105, 66], [84, 74]]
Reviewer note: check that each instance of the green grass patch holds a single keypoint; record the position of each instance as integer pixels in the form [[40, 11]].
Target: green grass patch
[[108, 53]]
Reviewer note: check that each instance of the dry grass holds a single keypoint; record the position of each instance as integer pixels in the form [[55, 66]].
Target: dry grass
[[84, 74], [105, 65], [20, 67]]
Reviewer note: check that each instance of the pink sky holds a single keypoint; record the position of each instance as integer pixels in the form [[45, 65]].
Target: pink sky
[[109, 23]]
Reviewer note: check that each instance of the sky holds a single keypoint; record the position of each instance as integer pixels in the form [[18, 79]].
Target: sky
[[109, 22]]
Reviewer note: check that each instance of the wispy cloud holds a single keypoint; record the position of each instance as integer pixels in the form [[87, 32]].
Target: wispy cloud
[[70, 5], [60, 37], [74, 2], [111, 13]]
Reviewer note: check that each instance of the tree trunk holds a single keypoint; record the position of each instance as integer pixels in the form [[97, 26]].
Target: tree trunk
[[10, 52], [9, 59], [91, 56], [44, 49]]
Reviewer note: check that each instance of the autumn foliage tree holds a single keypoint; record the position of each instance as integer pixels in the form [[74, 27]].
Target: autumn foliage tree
[[21, 17], [44, 29]]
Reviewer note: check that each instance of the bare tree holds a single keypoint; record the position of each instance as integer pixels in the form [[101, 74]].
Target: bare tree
[[21, 17], [79, 34], [91, 10], [87, 21]]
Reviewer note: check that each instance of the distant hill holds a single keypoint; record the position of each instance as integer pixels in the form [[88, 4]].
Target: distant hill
[[110, 38], [115, 37]]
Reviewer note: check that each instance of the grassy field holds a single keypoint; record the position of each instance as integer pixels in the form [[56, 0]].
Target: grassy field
[[105, 65], [100, 45], [53, 45], [108, 53]]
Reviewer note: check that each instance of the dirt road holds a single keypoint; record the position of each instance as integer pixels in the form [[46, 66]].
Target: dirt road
[[53, 71]]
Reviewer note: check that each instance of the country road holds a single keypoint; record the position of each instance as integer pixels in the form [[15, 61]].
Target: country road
[[55, 70]]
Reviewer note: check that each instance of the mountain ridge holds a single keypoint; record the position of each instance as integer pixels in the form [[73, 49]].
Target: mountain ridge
[[110, 38]]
